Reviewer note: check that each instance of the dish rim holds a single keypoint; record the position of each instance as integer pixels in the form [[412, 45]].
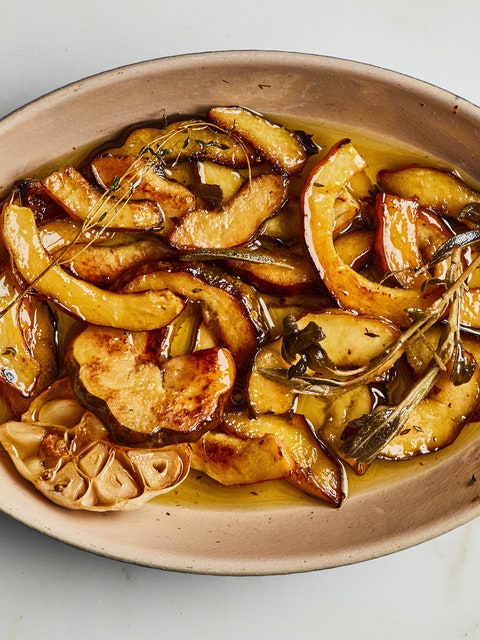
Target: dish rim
[[219, 564]]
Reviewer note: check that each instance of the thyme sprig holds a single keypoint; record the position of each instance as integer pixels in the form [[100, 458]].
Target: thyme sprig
[[164, 150], [366, 436], [123, 187], [373, 431], [334, 380]]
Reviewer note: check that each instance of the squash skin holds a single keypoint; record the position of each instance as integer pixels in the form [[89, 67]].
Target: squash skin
[[229, 307], [143, 402], [350, 289], [137, 312]]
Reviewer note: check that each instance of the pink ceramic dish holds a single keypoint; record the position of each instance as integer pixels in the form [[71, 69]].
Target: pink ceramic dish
[[235, 532]]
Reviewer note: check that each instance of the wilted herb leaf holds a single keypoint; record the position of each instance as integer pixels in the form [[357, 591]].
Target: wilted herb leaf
[[211, 194], [460, 240], [463, 366], [470, 212], [372, 431], [115, 183]]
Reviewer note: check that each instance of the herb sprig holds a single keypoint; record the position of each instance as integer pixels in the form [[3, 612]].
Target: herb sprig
[[123, 187], [366, 436]]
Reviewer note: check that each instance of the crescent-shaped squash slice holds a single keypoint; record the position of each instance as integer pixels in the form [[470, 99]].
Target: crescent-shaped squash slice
[[135, 311], [350, 289]]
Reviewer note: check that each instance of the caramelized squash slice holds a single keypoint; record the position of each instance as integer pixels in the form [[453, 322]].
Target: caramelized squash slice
[[288, 271], [350, 289], [350, 341], [58, 234], [103, 264], [27, 339], [187, 140], [396, 244], [82, 201], [275, 143], [228, 179], [235, 223], [135, 311], [225, 310], [234, 460], [436, 189], [137, 179], [316, 472], [143, 402], [436, 421], [355, 247]]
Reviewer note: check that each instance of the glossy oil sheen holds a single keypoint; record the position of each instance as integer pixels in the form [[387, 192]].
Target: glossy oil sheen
[[263, 530]]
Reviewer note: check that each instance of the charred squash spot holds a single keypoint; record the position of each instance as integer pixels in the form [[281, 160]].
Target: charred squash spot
[[141, 401]]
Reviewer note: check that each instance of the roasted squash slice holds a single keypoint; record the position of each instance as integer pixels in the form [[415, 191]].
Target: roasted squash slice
[[141, 401], [135, 311], [235, 223], [350, 289], [234, 460], [315, 471], [275, 143], [27, 339], [83, 201]]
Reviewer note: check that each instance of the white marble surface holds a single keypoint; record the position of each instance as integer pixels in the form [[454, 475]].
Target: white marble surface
[[430, 591]]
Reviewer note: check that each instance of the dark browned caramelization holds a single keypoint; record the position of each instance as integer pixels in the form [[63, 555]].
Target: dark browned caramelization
[[220, 294], [144, 402]]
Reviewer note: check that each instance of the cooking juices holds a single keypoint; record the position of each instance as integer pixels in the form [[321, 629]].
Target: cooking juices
[[236, 304]]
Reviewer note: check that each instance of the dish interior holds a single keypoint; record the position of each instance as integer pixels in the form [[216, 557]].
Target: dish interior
[[271, 528]]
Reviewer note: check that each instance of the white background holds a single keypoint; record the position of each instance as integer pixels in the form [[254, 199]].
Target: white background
[[46, 587]]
